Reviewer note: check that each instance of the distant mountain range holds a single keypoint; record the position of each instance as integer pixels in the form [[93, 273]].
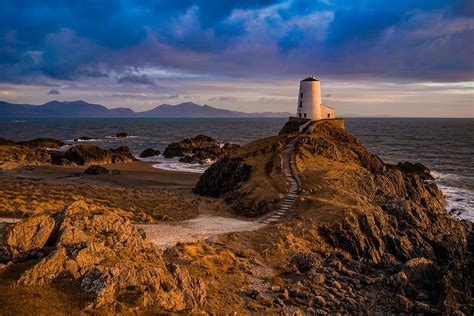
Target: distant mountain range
[[84, 109]]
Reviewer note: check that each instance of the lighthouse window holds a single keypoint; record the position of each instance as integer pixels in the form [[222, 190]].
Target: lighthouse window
[[301, 94], [305, 115], [301, 103], [299, 114], [329, 115]]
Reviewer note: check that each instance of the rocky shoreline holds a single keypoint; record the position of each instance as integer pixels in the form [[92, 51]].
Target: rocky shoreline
[[363, 237]]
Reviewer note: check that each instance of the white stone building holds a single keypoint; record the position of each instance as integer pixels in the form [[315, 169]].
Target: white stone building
[[309, 101]]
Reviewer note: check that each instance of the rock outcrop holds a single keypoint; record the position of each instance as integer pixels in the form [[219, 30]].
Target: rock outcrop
[[200, 143], [43, 143], [112, 262], [26, 239], [86, 154], [122, 135], [222, 177], [149, 152], [199, 149], [84, 138]]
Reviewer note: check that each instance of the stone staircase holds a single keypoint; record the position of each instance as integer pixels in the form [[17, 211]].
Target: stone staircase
[[291, 174]]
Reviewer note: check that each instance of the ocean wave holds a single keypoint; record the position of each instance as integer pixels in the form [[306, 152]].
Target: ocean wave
[[115, 137], [173, 164], [87, 140], [181, 167], [18, 121], [459, 199]]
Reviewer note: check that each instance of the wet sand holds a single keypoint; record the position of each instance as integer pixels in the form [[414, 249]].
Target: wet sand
[[137, 173]]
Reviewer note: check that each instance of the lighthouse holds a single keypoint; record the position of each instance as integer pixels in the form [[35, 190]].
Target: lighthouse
[[310, 105]]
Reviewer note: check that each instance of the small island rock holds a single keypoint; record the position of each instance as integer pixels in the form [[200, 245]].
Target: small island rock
[[149, 152]]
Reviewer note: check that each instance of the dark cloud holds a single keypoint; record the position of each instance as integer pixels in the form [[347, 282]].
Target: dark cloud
[[137, 79], [68, 40], [53, 92]]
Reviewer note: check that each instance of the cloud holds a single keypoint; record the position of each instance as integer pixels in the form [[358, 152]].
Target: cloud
[[53, 92], [137, 79], [68, 40]]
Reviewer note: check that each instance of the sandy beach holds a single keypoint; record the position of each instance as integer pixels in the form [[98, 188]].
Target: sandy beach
[[139, 191]]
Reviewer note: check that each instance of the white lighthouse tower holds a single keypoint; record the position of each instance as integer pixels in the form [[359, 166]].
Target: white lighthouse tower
[[310, 105]]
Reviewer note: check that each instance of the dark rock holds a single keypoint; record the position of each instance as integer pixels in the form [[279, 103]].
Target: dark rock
[[191, 159], [122, 135], [305, 261], [223, 176], [42, 142], [202, 145], [84, 138], [149, 152], [229, 147], [96, 170], [86, 154], [253, 294], [121, 154], [416, 168]]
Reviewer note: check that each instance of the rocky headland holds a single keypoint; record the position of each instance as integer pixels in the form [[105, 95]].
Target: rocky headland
[[363, 237]]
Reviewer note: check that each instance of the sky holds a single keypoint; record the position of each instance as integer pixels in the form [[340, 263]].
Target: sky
[[373, 57]]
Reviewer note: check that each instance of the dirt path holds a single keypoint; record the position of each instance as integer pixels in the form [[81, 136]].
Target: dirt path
[[169, 234], [200, 228]]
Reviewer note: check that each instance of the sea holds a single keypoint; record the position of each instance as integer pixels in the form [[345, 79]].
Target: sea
[[445, 145]]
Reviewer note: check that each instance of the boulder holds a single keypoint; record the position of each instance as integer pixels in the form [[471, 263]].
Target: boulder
[[121, 154], [86, 154], [43, 143], [149, 152], [122, 135], [24, 239], [96, 170]]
